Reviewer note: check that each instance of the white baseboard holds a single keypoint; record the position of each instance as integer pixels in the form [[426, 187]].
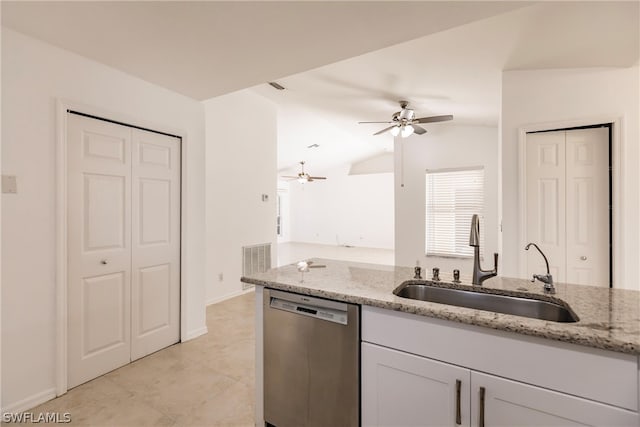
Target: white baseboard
[[30, 402], [228, 296], [194, 334]]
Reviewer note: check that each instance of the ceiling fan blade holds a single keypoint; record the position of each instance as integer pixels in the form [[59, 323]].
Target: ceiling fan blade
[[292, 177], [433, 119], [385, 129], [419, 129], [373, 122], [317, 177]]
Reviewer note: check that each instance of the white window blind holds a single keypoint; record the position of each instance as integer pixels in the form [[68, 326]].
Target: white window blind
[[453, 196]]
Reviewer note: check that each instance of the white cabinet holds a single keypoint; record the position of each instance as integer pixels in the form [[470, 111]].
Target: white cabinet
[[510, 403], [412, 364], [401, 389]]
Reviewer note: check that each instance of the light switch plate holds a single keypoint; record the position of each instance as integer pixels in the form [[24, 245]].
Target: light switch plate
[[9, 184]]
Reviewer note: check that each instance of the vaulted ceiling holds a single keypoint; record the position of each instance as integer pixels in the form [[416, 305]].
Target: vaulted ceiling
[[341, 62], [203, 49]]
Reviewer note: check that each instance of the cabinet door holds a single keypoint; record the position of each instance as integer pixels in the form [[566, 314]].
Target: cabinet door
[[401, 389], [509, 403]]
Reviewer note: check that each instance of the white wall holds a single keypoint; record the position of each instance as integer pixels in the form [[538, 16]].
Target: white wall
[[241, 165], [285, 211], [543, 96], [34, 76], [354, 210], [381, 163], [445, 146]]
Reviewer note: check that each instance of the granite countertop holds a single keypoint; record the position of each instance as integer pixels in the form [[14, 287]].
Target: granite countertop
[[609, 318]]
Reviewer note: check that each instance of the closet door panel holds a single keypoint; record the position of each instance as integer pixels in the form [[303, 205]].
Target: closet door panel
[[156, 242], [545, 203], [588, 207], [98, 247]]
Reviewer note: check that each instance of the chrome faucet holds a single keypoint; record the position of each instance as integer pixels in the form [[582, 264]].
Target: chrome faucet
[[480, 275], [547, 279]]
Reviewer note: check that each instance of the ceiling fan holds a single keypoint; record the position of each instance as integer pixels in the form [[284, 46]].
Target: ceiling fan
[[405, 123], [303, 176]]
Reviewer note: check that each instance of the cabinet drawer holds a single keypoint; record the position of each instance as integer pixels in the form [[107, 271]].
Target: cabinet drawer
[[599, 375]]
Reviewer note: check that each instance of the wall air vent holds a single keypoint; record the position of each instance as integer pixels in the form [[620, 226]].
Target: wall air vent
[[255, 259]]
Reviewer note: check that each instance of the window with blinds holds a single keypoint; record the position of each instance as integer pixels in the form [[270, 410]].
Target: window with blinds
[[453, 196]]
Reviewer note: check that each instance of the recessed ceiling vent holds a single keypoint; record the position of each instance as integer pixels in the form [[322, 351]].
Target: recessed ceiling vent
[[276, 85], [313, 146]]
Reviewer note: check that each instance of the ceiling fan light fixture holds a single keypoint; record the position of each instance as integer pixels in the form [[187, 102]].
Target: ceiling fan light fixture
[[304, 177], [405, 123], [407, 130]]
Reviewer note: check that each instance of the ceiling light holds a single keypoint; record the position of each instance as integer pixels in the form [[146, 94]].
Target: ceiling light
[[302, 180], [395, 130], [407, 130]]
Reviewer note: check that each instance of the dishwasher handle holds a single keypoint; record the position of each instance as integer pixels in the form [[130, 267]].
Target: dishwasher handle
[[307, 300]]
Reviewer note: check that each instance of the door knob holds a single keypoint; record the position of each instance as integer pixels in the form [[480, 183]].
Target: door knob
[[583, 258], [104, 262]]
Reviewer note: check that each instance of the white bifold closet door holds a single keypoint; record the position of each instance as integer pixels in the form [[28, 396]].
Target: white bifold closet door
[[123, 244], [568, 204]]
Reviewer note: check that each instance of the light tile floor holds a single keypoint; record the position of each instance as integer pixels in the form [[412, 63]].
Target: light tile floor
[[208, 381]]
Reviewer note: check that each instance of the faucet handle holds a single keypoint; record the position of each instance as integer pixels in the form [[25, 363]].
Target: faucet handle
[[436, 274], [456, 276], [418, 273]]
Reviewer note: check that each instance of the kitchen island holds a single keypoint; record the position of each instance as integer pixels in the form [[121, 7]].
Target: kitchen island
[[585, 371]]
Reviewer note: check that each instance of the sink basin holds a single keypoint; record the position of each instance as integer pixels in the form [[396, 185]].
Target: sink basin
[[497, 303]]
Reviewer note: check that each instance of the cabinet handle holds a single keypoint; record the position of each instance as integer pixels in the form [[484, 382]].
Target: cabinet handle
[[458, 411], [481, 420]]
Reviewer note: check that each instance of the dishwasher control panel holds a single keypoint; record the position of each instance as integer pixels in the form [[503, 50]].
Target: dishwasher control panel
[[311, 310]]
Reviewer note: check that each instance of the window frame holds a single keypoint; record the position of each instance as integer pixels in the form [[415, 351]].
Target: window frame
[[428, 193]]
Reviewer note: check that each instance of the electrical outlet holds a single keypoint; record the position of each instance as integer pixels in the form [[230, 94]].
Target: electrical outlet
[[9, 184]]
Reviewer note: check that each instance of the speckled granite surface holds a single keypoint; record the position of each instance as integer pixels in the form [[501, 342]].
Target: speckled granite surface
[[609, 318]]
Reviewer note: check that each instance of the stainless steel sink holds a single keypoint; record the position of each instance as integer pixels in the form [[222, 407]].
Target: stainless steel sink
[[497, 303]]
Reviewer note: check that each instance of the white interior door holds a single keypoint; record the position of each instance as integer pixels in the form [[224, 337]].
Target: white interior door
[[99, 247], [568, 204], [588, 206], [545, 202], [123, 245], [155, 279]]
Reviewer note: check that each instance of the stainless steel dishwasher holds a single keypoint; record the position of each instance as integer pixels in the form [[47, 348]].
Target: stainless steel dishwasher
[[311, 361]]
